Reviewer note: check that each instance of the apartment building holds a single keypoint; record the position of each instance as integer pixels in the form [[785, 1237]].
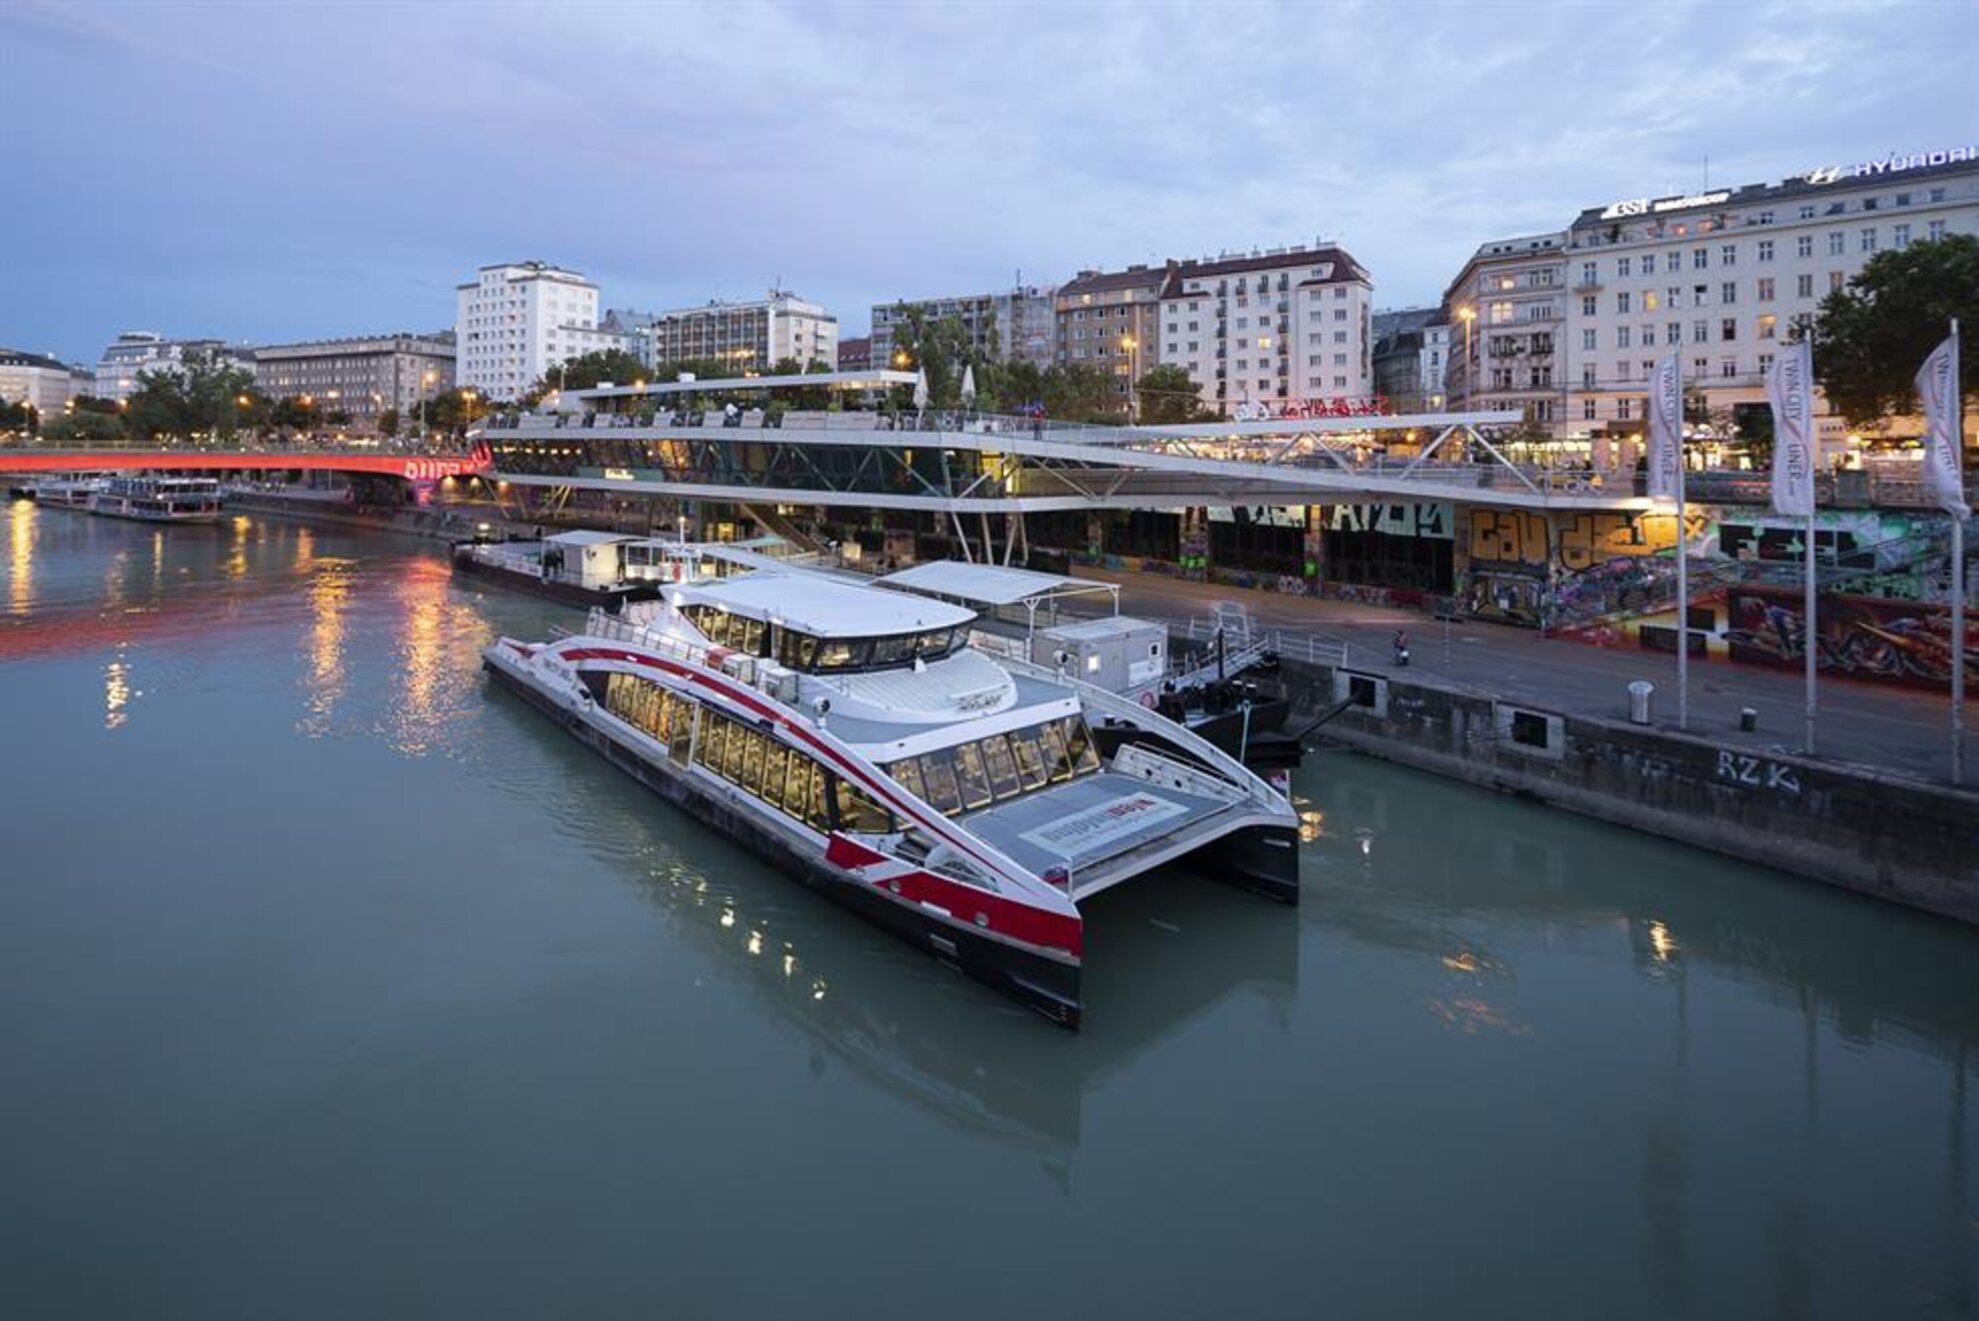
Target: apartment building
[[361, 376], [137, 351], [748, 336], [1724, 275], [1508, 310], [1014, 325], [1270, 329], [515, 322]]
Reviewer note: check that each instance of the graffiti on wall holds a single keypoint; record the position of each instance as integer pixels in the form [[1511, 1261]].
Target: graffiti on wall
[[1604, 562], [1396, 520], [1862, 637]]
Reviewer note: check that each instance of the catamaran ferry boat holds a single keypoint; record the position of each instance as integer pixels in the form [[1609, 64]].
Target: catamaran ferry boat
[[971, 804], [159, 499], [67, 493]]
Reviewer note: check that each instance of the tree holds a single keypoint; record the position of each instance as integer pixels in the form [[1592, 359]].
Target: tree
[[202, 393], [1167, 394], [81, 425], [296, 412], [586, 370], [1081, 392], [456, 410], [17, 416], [1872, 336], [388, 422]]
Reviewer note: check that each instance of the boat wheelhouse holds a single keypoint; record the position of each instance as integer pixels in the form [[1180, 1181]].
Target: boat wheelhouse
[[969, 803], [159, 499], [67, 493]]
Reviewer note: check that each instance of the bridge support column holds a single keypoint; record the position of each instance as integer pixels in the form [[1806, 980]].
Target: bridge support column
[[1315, 549], [1195, 543]]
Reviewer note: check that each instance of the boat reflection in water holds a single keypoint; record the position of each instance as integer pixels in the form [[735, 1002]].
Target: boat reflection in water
[[1174, 949]]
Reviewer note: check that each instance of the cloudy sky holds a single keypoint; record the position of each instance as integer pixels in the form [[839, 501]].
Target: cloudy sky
[[270, 172]]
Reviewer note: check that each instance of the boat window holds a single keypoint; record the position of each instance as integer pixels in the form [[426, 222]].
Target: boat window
[[908, 773], [752, 764], [1079, 746], [971, 776], [680, 736], [733, 750], [714, 736], [1053, 738], [938, 774], [816, 814], [841, 653], [752, 632], [1002, 766], [774, 771], [858, 812], [1029, 752], [896, 650]]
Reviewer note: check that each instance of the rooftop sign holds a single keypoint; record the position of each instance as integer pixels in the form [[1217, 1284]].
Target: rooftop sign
[[1642, 206], [1890, 164]]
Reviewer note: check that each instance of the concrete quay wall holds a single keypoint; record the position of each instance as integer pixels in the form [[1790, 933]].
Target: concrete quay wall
[[1851, 826]]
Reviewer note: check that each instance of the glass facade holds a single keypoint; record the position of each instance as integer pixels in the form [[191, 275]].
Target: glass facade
[[811, 654]]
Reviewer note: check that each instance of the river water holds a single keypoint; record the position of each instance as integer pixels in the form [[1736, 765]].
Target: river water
[[333, 984]]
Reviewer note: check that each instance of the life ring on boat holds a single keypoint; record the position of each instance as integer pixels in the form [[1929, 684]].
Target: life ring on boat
[[1147, 700]]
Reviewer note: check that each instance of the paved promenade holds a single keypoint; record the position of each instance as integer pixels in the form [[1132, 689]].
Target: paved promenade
[[1894, 729]]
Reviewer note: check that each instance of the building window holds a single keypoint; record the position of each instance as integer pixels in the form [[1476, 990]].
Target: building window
[[1700, 332], [1765, 363], [1622, 301], [1621, 337], [1900, 237], [1837, 242], [1700, 258], [1624, 268], [1621, 371], [1765, 249], [1587, 338], [1767, 325], [1624, 409], [1587, 307], [1765, 288], [1340, 313], [1935, 230], [1673, 333], [1803, 286], [1587, 273], [1728, 367], [1835, 281], [1728, 255], [1869, 239], [1804, 246], [1587, 375], [1673, 261], [1339, 337], [1587, 405], [1649, 302], [1728, 292]]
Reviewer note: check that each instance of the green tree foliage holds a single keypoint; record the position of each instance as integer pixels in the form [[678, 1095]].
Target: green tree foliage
[[295, 412], [942, 348], [388, 422], [1872, 336], [455, 410], [80, 425], [587, 369], [1080, 392], [1166, 395], [201, 396], [17, 416]]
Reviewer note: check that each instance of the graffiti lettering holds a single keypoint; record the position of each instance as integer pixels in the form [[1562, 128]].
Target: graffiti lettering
[[1758, 772]]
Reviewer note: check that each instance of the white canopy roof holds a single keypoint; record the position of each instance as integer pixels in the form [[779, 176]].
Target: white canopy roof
[[988, 584], [824, 608], [586, 537]]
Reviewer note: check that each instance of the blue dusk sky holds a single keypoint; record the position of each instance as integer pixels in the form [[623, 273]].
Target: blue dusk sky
[[288, 171]]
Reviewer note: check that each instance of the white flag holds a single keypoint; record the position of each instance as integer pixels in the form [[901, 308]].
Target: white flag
[[1937, 391], [1666, 430], [1790, 390]]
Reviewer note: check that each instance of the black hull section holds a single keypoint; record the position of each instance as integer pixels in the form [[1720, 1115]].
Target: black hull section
[[1261, 859], [612, 599], [1047, 985]]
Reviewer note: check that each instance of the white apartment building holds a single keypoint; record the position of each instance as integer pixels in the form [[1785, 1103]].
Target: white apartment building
[[1435, 364], [1724, 275], [515, 323], [1021, 319], [1508, 308], [748, 337], [137, 351], [362, 377], [1272, 328], [39, 381]]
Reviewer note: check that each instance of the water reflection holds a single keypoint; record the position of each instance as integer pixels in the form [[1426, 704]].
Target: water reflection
[[20, 556], [439, 657], [117, 694]]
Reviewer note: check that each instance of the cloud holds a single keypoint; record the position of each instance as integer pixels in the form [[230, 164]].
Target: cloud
[[283, 172]]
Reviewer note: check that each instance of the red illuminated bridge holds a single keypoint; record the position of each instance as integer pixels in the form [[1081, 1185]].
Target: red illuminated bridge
[[411, 467]]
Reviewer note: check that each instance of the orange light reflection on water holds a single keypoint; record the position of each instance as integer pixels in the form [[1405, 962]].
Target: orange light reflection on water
[[20, 556]]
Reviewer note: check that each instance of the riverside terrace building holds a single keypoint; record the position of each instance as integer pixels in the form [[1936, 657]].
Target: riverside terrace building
[[1284, 326], [1723, 275], [362, 377], [1508, 310], [748, 336], [513, 323], [1109, 320], [1014, 325], [1425, 510]]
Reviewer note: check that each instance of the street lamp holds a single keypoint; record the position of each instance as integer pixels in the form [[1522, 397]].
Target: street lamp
[[1468, 315], [426, 380], [1132, 346]]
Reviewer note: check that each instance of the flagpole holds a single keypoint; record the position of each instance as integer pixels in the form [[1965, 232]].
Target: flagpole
[[1683, 569], [1958, 579], [1810, 638]]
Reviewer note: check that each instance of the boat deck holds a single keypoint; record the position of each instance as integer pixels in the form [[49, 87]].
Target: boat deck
[[1089, 822]]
